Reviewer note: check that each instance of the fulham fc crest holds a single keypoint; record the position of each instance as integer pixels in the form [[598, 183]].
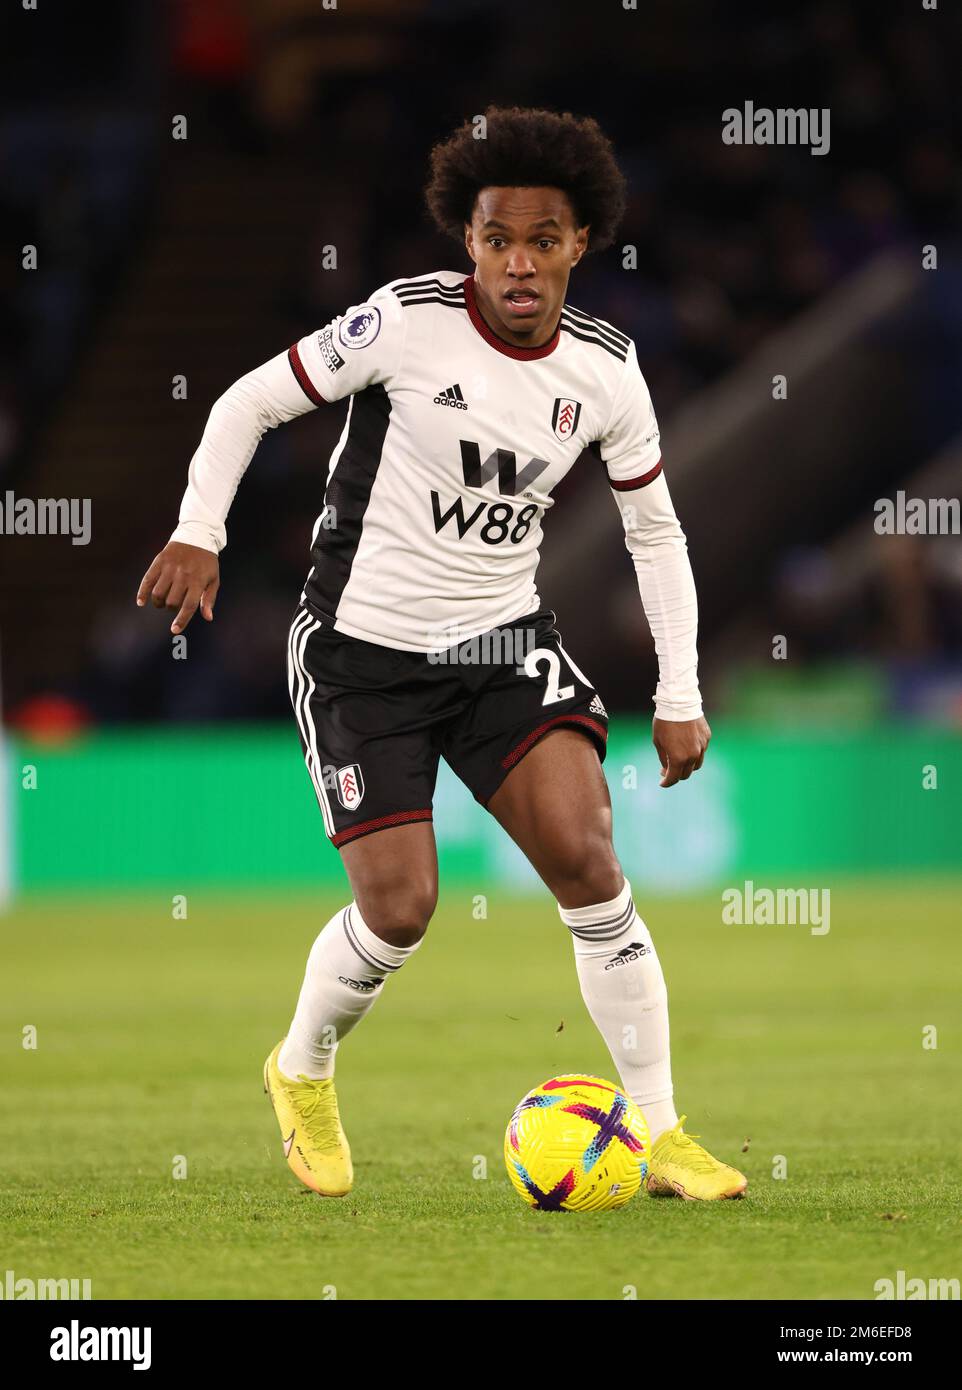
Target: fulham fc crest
[[350, 786], [564, 420]]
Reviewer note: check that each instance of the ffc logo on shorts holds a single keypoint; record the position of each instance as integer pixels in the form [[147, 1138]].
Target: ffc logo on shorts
[[565, 417], [350, 786]]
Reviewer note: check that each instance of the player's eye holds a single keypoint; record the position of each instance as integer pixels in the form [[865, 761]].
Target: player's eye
[[545, 243], [496, 241]]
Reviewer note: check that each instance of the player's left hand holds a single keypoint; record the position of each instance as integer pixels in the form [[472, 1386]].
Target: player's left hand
[[681, 747]]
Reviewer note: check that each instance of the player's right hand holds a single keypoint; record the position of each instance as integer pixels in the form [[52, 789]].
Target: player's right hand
[[184, 577]]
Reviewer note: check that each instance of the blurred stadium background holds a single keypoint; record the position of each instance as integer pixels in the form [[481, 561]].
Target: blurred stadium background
[[308, 128]]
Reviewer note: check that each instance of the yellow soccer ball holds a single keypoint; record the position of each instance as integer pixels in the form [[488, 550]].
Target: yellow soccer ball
[[576, 1143]]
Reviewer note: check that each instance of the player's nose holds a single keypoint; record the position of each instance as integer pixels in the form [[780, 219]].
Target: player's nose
[[520, 265]]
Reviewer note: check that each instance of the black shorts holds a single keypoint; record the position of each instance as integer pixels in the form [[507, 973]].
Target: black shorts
[[374, 720]]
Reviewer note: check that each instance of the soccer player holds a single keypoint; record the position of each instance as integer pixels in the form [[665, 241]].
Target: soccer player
[[470, 397]]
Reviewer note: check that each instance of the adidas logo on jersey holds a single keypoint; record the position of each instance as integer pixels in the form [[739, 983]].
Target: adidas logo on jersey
[[597, 707], [451, 396], [628, 954]]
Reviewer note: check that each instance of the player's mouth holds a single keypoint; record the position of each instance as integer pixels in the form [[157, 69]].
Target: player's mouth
[[522, 302]]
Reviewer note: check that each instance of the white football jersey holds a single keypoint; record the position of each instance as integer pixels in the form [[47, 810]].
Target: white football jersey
[[453, 445]]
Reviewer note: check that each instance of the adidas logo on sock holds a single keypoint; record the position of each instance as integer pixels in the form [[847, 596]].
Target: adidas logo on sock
[[451, 396], [597, 707], [363, 986], [627, 954]]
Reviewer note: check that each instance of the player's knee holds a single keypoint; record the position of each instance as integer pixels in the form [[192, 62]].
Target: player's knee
[[399, 913], [590, 874]]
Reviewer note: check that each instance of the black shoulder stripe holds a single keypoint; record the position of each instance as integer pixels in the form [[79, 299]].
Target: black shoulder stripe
[[601, 326], [427, 280], [413, 285], [419, 294], [598, 342], [614, 339], [433, 299], [593, 326], [430, 289], [596, 334]]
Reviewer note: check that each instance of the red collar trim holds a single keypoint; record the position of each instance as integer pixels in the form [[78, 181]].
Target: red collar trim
[[520, 354]]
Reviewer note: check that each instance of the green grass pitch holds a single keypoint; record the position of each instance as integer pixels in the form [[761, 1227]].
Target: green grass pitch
[[151, 1034]]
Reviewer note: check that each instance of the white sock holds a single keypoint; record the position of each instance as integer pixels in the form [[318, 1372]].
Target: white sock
[[624, 988], [346, 970]]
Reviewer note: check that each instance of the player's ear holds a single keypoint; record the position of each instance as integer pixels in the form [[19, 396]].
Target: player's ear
[[581, 244], [469, 241]]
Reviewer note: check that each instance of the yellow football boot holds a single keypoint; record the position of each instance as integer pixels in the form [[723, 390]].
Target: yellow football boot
[[681, 1168], [315, 1145]]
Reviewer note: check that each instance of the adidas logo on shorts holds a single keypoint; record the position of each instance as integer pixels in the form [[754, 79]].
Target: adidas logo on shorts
[[451, 396], [597, 707]]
